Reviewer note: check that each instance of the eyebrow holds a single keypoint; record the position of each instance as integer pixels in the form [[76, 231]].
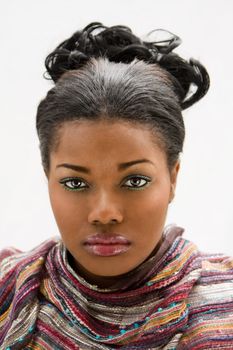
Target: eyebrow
[[121, 166]]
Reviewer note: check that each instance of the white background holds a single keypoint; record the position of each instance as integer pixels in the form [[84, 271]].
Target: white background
[[29, 30]]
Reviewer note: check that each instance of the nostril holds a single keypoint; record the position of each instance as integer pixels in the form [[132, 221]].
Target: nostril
[[114, 221], [105, 216]]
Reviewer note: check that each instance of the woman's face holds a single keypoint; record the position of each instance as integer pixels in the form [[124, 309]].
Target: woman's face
[[111, 214]]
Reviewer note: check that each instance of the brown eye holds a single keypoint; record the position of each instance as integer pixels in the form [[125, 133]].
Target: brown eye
[[135, 181], [72, 184]]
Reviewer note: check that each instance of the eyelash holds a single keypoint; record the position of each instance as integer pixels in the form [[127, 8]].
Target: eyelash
[[64, 182]]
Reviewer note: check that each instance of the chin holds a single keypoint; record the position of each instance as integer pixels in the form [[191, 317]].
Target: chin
[[109, 272]]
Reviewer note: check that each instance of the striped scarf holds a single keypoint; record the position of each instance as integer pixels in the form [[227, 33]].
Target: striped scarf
[[184, 300]]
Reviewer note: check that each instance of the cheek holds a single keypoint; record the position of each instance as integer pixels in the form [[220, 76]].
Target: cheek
[[154, 204], [148, 216], [66, 210]]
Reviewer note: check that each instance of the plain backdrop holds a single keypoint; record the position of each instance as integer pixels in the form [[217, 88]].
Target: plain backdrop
[[29, 30]]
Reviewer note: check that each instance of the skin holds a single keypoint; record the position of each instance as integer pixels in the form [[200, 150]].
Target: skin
[[108, 200]]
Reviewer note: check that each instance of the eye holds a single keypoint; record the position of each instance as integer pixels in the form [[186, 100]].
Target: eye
[[136, 180], [72, 184]]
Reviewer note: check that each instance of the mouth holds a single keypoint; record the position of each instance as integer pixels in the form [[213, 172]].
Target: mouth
[[106, 244]]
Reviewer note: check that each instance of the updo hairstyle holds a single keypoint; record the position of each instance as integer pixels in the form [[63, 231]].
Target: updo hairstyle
[[109, 73]]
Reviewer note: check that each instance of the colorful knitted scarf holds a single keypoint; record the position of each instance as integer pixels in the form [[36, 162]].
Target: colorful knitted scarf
[[182, 300]]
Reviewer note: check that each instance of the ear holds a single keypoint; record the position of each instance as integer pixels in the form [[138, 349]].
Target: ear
[[173, 177]]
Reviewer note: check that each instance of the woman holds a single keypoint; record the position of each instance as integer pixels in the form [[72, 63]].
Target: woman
[[111, 131]]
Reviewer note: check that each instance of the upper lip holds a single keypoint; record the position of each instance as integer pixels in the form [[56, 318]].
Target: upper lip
[[106, 238]]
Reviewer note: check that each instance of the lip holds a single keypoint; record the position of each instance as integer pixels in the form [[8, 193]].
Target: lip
[[106, 238], [106, 244]]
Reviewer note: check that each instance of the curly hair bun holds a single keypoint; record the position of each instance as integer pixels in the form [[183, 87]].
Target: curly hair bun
[[119, 44]]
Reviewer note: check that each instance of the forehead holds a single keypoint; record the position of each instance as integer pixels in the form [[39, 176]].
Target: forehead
[[103, 146], [105, 135]]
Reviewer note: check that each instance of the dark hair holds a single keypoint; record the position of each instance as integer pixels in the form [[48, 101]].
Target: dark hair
[[109, 73]]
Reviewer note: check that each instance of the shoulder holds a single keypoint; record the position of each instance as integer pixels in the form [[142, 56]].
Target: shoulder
[[214, 286], [8, 258], [210, 316], [13, 259], [214, 289], [216, 271], [7, 252], [20, 274]]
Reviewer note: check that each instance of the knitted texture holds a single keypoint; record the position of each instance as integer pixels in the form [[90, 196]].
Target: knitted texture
[[186, 302]]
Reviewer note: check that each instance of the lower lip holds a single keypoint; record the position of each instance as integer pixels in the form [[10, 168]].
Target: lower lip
[[107, 249]]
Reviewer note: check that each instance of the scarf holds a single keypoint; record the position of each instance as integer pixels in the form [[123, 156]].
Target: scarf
[[45, 304]]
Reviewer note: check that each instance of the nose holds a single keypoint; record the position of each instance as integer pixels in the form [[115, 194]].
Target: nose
[[105, 210]]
